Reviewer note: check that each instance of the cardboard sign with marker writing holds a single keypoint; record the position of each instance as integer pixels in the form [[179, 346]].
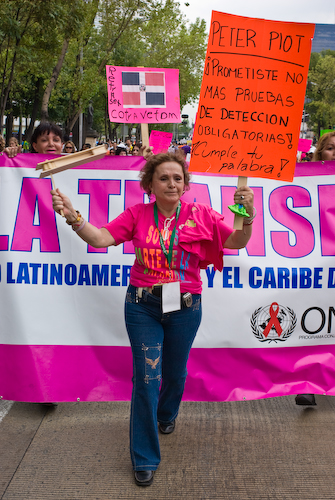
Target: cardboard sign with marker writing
[[252, 97], [160, 141], [143, 95]]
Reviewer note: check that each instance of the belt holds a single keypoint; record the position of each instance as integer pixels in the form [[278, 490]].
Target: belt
[[156, 290]]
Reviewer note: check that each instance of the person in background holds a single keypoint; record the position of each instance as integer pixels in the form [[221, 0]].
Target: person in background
[[25, 145], [129, 146], [10, 151], [173, 147], [163, 300], [136, 151], [186, 150], [325, 151], [47, 138], [13, 142], [121, 150], [87, 145], [69, 147]]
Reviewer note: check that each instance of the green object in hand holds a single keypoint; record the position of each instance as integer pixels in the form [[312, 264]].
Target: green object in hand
[[238, 209]]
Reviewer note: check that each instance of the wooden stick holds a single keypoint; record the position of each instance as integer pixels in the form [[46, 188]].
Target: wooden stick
[[54, 187], [71, 160], [238, 220], [144, 132], [145, 135]]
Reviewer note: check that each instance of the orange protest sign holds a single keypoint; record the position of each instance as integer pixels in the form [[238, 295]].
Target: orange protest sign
[[252, 97]]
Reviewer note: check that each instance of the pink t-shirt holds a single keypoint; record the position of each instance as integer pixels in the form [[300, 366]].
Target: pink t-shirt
[[199, 240]]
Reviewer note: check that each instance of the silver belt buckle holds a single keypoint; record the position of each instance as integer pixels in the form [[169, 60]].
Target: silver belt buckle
[[187, 299]]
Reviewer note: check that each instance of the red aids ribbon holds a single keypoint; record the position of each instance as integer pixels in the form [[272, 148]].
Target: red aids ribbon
[[273, 321]]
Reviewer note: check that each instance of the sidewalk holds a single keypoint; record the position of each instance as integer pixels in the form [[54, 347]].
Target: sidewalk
[[251, 450]]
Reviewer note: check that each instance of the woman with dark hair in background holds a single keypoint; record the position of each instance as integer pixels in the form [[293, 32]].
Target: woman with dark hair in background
[[47, 138]]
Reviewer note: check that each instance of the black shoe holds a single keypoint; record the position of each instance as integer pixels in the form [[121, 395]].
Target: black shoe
[[167, 428], [305, 400], [144, 477]]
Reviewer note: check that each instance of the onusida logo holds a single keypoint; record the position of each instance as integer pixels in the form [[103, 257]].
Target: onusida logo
[[273, 323]]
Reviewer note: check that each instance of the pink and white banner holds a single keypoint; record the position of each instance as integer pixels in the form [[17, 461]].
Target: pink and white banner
[[268, 318]]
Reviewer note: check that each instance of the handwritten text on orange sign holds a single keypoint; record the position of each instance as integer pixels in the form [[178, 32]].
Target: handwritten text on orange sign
[[252, 97]]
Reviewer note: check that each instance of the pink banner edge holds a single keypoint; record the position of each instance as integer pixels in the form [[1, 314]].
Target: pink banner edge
[[104, 373]]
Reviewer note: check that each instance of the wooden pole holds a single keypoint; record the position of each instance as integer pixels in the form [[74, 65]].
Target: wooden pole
[[54, 188], [238, 220], [145, 135]]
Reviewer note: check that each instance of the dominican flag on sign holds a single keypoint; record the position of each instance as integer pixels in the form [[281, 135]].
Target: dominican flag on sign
[[142, 89]]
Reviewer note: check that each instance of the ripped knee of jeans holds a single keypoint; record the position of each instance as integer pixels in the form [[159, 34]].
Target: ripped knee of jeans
[[153, 362]]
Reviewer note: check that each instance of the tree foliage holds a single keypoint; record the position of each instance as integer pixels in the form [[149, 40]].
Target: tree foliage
[[53, 54], [321, 90]]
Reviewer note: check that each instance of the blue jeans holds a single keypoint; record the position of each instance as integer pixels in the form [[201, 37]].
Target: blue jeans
[[160, 345]]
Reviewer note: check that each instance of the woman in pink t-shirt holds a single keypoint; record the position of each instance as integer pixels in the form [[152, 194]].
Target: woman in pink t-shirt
[[173, 240]]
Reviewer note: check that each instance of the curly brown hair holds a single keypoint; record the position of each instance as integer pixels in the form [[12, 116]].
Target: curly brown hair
[[322, 144], [2, 143], [149, 168]]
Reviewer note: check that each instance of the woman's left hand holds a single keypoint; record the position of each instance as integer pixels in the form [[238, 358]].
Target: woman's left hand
[[245, 196], [240, 237]]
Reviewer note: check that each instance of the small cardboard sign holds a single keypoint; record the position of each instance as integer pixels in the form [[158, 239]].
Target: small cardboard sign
[[143, 95], [304, 145], [160, 141], [252, 97]]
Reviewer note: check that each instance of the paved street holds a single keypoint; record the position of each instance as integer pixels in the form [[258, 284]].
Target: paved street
[[251, 450]]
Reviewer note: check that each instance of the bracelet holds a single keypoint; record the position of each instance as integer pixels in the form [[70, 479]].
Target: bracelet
[[79, 217], [80, 227], [249, 220]]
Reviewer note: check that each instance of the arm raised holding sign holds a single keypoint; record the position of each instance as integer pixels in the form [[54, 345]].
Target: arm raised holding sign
[[173, 240], [240, 237]]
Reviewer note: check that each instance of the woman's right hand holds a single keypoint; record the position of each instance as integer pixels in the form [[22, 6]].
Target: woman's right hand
[[62, 203]]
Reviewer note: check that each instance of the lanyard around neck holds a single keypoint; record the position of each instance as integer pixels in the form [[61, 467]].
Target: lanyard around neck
[[167, 254]]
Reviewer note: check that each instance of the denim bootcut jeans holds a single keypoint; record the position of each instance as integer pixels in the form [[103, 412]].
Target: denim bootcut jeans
[[160, 345]]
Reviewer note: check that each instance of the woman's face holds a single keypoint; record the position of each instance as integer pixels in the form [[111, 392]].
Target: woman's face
[[328, 154], [12, 143], [68, 148], [168, 182], [135, 151], [48, 143]]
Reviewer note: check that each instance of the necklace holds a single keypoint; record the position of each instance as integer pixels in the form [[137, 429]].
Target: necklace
[[167, 224], [167, 253]]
